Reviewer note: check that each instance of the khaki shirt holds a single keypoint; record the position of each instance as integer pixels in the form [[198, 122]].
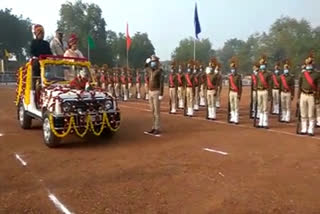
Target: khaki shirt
[[155, 79], [290, 82], [237, 80]]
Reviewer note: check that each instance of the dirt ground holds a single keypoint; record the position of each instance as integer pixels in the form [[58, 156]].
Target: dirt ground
[[260, 171]]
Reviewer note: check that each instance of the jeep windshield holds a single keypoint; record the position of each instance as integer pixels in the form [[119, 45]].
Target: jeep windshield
[[62, 73]]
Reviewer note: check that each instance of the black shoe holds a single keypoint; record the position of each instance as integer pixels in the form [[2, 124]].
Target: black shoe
[[156, 132], [151, 131], [266, 127], [311, 135]]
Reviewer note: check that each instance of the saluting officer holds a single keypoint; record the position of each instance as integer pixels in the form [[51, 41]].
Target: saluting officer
[[235, 91], [307, 94], [286, 93]]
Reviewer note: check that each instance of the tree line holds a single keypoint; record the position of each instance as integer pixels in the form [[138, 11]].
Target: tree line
[[84, 20], [287, 38]]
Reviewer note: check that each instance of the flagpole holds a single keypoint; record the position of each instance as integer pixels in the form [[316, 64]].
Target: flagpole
[[88, 51], [127, 58], [194, 49]]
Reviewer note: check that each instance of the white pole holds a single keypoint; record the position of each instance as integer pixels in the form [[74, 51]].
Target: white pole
[[88, 51], [194, 50]]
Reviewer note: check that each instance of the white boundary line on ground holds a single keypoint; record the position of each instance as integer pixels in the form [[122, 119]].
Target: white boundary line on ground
[[215, 151], [21, 160], [51, 196], [58, 204], [225, 123]]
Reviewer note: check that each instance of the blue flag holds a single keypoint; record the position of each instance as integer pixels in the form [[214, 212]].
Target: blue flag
[[196, 22]]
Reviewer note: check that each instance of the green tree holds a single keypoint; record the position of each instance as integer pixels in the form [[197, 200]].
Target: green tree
[[184, 51], [140, 50], [16, 34], [86, 20]]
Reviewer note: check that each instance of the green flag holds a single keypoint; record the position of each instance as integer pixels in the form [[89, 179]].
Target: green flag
[[91, 43]]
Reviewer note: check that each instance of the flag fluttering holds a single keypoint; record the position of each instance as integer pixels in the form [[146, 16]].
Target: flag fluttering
[[91, 43], [196, 22], [128, 38]]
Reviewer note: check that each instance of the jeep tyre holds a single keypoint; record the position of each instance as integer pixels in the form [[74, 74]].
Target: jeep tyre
[[48, 136], [24, 119]]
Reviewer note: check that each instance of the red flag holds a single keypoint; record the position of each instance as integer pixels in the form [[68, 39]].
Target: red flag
[[128, 38]]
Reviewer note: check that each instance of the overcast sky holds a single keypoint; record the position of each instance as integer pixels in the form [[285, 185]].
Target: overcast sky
[[169, 21]]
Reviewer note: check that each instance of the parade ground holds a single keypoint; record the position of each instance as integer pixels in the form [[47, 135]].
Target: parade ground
[[196, 166]]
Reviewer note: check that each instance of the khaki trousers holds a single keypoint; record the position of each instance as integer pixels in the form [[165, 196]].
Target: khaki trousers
[[254, 100], [211, 99], [196, 96], [124, 90], [173, 97], [203, 93], [117, 89], [146, 89], [285, 101], [275, 97], [181, 94], [138, 88], [307, 106], [234, 101], [189, 97], [110, 88], [155, 108], [263, 101], [130, 89]]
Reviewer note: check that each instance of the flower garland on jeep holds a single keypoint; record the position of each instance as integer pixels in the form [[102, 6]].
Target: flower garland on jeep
[[89, 126]]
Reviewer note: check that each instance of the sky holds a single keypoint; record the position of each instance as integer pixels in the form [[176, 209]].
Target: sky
[[169, 21]]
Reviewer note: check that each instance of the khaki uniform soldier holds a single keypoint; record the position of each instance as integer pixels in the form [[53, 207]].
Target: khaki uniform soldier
[[211, 84], [275, 89], [286, 93], [254, 90], [124, 84], [155, 93], [264, 83], [103, 79], [203, 88], [146, 80], [181, 91], [189, 90], [138, 84], [308, 93], [235, 92], [110, 82], [173, 87], [129, 79], [116, 81], [196, 82], [219, 87]]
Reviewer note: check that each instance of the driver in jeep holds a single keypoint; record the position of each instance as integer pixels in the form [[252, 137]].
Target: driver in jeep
[[81, 81]]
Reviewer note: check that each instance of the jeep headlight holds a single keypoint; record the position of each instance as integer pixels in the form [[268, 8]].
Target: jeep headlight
[[108, 105]]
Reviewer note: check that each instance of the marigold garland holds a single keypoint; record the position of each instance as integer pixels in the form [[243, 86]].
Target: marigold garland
[[89, 126]]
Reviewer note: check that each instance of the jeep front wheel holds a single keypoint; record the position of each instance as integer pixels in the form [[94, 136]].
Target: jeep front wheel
[[24, 119], [49, 137]]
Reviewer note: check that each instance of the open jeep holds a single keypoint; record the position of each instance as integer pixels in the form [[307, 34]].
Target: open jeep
[[63, 109]]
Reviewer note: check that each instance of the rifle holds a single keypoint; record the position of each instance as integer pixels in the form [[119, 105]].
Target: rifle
[[299, 118], [255, 111]]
